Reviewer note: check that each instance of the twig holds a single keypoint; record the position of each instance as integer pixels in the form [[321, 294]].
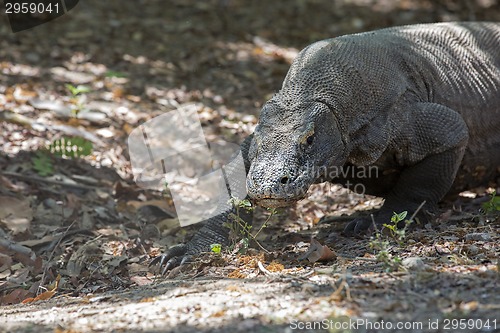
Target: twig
[[48, 181], [343, 286], [238, 220], [417, 210], [357, 258], [53, 250], [374, 224], [12, 246], [264, 270], [264, 224]]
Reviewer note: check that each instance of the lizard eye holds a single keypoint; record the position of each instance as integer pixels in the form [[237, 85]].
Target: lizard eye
[[310, 139]]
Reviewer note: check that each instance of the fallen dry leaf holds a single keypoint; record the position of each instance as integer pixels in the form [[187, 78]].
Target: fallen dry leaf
[[318, 252], [45, 295], [5, 262], [14, 297], [15, 213], [141, 280]]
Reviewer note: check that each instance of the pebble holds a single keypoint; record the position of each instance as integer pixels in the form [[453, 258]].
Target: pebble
[[414, 264], [473, 250], [478, 236]]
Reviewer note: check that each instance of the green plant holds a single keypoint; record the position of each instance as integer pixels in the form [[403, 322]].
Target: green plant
[[215, 248], [397, 233], [76, 101], [241, 227], [383, 248], [65, 147], [42, 163], [115, 74], [68, 147], [75, 91], [493, 205], [381, 243]]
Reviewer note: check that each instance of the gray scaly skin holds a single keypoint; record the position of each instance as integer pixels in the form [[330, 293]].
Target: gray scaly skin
[[420, 103]]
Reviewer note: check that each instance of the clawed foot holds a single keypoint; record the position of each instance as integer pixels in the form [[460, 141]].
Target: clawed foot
[[359, 227], [173, 257], [180, 255], [368, 224]]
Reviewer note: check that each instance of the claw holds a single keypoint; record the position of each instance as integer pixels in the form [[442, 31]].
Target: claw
[[172, 258], [362, 226], [186, 260], [155, 260], [358, 226], [213, 232], [172, 263]]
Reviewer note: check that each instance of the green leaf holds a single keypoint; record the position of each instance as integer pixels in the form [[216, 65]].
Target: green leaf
[[244, 245], [115, 74], [398, 217], [390, 226], [215, 248], [42, 164], [493, 205], [245, 203], [71, 147], [80, 89]]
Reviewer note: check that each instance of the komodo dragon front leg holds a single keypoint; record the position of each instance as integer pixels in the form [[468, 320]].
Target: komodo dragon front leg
[[213, 231], [431, 146]]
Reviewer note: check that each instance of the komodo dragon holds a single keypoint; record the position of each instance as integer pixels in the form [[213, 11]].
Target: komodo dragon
[[421, 103]]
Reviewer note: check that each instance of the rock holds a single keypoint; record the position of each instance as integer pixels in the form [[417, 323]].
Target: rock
[[414, 264], [478, 236]]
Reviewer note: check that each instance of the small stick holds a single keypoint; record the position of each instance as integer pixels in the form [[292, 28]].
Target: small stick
[[49, 181]]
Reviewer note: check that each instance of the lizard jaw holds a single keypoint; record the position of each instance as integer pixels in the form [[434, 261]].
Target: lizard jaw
[[275, 203]]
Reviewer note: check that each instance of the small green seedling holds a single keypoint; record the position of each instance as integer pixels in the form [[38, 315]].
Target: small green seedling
[[493, 205], [71, 147], [115, 74], [75, 91], [42, 163], [382, 243], [215, 248], [76, 101], [397, 233], [241, 227]]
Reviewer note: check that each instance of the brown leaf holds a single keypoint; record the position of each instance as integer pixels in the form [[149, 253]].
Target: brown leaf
[[45, 295], [14, 297], [80, 258], [15, 213], [42, 297], [5, 262], [275, 267], [21, 253], [318, 252], [141, 280]]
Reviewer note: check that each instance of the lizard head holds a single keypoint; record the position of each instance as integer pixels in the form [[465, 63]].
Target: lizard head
[[293, 146]]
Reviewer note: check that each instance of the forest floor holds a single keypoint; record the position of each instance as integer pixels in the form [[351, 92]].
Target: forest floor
[[77, 234]]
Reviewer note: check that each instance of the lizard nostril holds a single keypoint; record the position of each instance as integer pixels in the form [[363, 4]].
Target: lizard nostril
[[284, 180]]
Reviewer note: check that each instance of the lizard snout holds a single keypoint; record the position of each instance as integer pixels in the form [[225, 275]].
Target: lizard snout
[[276, 185]]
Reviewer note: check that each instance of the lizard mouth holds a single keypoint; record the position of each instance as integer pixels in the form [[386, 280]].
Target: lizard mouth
[[275, 203]]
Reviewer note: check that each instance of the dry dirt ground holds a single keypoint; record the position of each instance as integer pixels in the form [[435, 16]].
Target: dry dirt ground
[[77, 234]]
